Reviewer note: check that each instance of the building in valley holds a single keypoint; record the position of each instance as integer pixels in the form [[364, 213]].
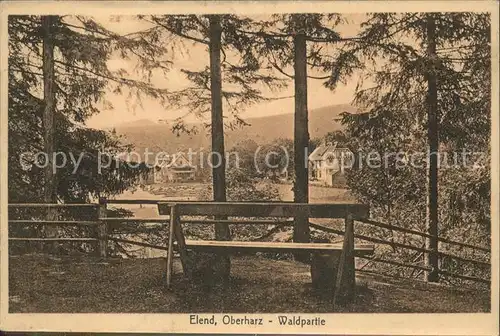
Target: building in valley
[[327, 164], [178, 169]]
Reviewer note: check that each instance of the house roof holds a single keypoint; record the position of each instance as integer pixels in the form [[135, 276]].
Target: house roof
[[180, 160], [317, 154]]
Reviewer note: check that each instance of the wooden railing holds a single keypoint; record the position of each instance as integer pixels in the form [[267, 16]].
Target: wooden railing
[[421, 249], [95, 222], [102, 236], [101, 222]]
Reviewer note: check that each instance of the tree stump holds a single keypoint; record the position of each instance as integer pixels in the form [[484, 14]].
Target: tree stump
[[209, 269], [324, 268]]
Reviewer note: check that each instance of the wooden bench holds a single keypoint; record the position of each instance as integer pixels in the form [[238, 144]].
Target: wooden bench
[[344, 253], [216, 246]]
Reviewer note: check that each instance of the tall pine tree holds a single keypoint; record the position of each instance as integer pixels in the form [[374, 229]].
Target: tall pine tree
[[425, 69]]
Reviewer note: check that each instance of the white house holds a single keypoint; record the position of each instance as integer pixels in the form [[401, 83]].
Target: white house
[[327, 164]]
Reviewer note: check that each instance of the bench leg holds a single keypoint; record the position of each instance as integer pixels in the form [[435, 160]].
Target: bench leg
[[170, 253]]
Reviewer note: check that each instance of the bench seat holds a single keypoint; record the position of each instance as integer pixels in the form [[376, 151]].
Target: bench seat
[[242, 246]]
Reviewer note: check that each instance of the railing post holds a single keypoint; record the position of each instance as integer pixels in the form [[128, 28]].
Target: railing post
[[102, 228]]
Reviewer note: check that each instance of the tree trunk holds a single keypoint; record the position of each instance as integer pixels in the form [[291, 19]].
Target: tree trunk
[[301, 141], [49, 102], [433, 144], [49, 190], [218, 154]]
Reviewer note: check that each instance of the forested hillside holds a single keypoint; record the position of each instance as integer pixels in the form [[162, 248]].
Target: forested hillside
[[159, 137]]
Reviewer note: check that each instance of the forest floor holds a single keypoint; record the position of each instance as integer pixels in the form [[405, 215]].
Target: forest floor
[[43, 284]]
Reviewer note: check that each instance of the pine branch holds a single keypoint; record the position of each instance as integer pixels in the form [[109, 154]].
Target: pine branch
[[120, 80], [320, 77], [89, 30], [20, 70], [192, 38], [327, 40], [278, 98], [275, 65], [264, 34]]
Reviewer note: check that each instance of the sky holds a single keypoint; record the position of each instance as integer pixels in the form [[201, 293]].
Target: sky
[[123, 112]]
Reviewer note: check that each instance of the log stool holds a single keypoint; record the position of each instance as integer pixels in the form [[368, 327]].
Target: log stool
[[324, 268]]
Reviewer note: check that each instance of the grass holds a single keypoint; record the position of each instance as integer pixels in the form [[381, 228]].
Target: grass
[[43, 284]]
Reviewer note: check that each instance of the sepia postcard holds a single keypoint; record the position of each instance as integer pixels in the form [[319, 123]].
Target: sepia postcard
[[257, 167]]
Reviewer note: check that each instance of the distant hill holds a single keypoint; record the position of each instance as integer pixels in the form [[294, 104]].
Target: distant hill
[[137, 123], [159, 137]]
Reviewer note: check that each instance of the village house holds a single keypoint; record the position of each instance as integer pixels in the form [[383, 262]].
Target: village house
[[179, 169], [175, 168], [327, 164]]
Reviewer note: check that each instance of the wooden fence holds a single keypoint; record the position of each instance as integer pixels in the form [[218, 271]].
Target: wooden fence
[[422, 249], [102, 237]]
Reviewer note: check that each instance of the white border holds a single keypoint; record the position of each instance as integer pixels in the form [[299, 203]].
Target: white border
[[355, 324]]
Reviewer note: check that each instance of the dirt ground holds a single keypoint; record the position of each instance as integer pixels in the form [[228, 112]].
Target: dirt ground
[[43, 284]]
